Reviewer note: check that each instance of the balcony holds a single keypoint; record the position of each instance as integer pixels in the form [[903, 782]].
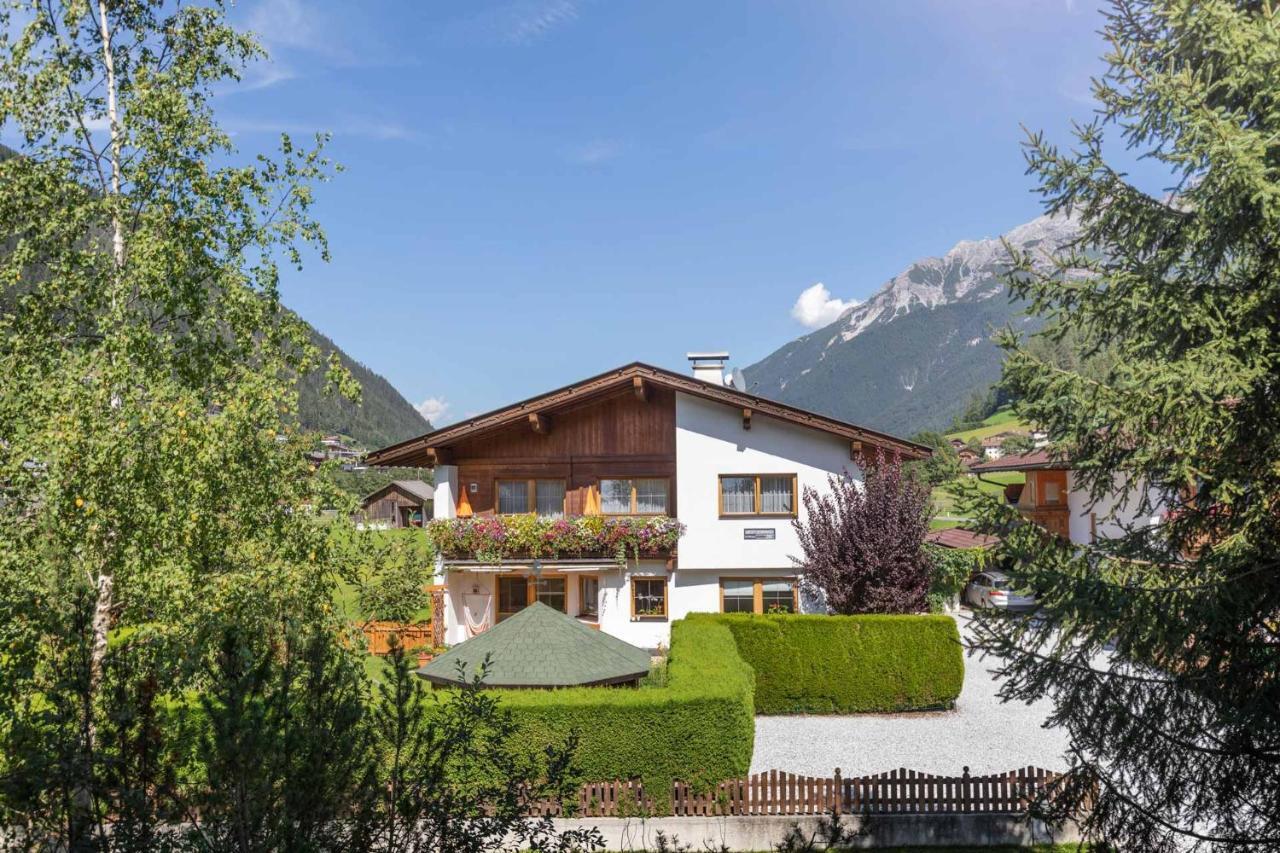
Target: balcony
[[497, 538], [1056, 519]]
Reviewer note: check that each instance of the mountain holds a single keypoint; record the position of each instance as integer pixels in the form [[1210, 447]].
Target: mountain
[[383, 416], [909, 357]]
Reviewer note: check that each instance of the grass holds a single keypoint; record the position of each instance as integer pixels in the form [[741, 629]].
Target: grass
[[1003, 420], [945, 505]]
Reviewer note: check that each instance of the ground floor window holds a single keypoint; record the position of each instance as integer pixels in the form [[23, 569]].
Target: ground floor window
[[759, 595], [588, 595], [648, 598], [516, 592]]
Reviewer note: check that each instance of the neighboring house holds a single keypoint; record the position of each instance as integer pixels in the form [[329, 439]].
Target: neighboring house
[[400, 503], [638, 441], [1052, 499], [967, 456], [332, 447]]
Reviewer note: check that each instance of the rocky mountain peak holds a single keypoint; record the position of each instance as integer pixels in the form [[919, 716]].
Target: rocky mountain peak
[[970, 270]]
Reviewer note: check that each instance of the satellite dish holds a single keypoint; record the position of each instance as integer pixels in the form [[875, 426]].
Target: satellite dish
[[737, 379]]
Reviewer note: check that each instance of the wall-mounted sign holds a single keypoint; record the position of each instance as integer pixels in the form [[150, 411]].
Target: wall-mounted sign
[[759, 533]]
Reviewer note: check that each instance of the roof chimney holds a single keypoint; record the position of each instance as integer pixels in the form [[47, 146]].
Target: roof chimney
[[708, 366]]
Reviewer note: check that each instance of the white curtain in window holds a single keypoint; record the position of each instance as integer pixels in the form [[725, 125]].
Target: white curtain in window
[[513, 496], [615, 496], [550, 498], [775, 495], [737, 495], [651, 496]]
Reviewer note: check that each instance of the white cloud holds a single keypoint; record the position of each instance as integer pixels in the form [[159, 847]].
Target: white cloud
[[286, 23], [531, 21], [596, 152], [816, 307], [433, 409]]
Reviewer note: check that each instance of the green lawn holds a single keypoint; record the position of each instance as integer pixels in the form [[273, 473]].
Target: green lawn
[[1001, 421], [993, 484]]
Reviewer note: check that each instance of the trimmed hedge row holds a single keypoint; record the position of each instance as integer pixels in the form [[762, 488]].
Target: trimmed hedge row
[[847, 664], [698, 728]]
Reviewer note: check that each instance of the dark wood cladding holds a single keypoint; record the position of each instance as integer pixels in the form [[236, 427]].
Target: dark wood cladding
[[617, 435]]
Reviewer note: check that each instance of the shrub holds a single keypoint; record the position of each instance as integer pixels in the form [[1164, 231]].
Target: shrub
[[952, 568], [863, 544], [698, 728], [848, 664]]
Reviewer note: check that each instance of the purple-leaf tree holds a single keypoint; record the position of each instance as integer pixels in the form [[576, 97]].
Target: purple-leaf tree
[[864, 546]]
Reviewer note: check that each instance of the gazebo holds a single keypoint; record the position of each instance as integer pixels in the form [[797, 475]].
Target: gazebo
[[541, 647]]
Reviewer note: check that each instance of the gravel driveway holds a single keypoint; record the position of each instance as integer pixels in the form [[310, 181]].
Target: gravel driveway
[[981, 732]]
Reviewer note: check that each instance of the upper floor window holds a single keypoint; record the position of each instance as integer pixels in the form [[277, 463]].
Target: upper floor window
[[758, 494], [545, 497], [634, 496]]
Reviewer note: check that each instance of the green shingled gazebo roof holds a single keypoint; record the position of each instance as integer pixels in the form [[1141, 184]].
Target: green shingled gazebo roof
[[541, 647]]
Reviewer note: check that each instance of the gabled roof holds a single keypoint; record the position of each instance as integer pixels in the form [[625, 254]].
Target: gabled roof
[[1032, 460], [541, 647], [414, 451], [417, 488]]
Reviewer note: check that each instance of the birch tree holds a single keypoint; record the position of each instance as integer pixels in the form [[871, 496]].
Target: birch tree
[[152, 484]]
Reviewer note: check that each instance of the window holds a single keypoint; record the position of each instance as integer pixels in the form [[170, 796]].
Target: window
[[738, 596], [758, 494], [513, 497], [648, 598], [634, 496], [777, 596], [551, 592], [588, 595], [513, 595], [516, 592], [758, 595], [550, 498], [545, 497]]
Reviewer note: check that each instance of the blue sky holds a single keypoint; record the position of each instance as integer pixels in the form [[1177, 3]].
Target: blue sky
[[535, 191]]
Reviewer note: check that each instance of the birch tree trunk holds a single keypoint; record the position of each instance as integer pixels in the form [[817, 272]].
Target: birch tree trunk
[[105, 585]]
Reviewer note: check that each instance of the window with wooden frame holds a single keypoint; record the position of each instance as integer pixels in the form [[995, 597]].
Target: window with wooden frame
[[648, 598], [759, 595], [767, 495], [634, 496], [588, 595], [516, 592], [541, 497]]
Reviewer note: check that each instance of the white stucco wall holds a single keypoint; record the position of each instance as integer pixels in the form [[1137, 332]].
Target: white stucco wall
[[1114, 512], [710, 441]]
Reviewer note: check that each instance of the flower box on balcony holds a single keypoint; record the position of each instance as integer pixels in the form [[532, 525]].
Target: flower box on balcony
[[495, 538]]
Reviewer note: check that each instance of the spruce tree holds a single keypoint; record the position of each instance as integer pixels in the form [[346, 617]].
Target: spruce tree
[[1160, 646]]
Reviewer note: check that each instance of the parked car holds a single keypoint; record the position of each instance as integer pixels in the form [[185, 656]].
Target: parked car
[[994, 589]]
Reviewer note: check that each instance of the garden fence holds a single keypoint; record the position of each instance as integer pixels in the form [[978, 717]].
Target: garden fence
[[899, 791], [412, 637]]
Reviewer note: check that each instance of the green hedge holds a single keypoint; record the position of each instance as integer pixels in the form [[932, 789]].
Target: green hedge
[[699, 727], [848, 664]]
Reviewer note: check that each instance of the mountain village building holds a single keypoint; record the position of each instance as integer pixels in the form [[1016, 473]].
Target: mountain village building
[[1051, 498], [637, 442]]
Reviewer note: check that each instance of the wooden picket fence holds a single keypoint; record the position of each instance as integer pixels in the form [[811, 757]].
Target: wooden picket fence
[[898, 791]]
